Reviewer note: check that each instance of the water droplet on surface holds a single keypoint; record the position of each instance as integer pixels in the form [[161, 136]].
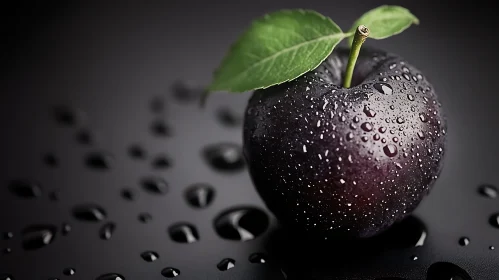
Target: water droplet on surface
[[464, 241], [107, 230], [25, 189], [421, 135], [6, 277], [145, 218], [367, 127], [89, 213], [224, 157], [383, 88], [162, 162], [50, 160], [8, 235], [149, 256], [423, 117], [446, 270], [370, 113], [183, 233], [257, 258], [200, 195], [241, 224], [69, 271], [494, 220], [98, 161], [356, 119], [154, 185], [226, 264], [410, 97], [228, 117], [67, 116], [7, 251], [487, 190], [66, 229], [390, 150], [349, 136], [38, 236], [84, 137], [414, 258], [400, 120], [170, 272], [160, 128], [110, 276], [376, 137], [492, 248], [136, 151], [382, 129], [128, 194]]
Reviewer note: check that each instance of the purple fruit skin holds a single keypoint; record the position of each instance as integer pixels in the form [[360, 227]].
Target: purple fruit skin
[[322, 156]]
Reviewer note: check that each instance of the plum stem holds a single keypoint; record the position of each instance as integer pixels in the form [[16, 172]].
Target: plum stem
[[359, 37]]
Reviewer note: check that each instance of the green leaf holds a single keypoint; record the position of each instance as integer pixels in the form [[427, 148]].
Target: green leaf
[[276, 48], [384, 21]]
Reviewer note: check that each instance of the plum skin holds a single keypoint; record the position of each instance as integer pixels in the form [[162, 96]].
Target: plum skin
[[346, 163]]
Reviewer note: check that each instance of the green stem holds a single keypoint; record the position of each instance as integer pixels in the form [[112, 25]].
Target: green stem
[[359, 37]]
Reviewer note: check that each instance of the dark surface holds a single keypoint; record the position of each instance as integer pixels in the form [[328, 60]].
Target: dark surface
[[107, 63]]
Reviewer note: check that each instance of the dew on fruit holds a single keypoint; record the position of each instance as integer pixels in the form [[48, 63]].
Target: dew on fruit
[[390, 150], [257, 258], [376, 137], [423, 117], [349, 136], [406, 76], [370, 113], [400, 120], [383, 88], [382, 129], [421, 135]]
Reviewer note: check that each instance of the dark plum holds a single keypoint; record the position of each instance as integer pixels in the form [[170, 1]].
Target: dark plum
[[346, 162]]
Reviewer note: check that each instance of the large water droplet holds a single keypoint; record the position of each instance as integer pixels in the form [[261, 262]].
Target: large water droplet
[[226, 264], [494, 220], [241, 224], [390, 150], [183, 233], [228, 117], [383, 88], [107, 230], [38, 236], [154, 185], [89, 212], [170, 272], [370, 113], [68, 271], [464, 241], [487, 190], [258, 258], [98, 160], [200, 195], [224, 156], [110, 276], [149, 256], [446, 270], [25, 189], [367, 127]]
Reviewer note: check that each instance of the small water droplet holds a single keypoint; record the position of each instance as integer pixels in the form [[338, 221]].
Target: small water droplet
[[183, 233], [392, 66], [6, 277], [50, 160], [382, 129], [395, 139], [410, 97], [128, 194], [414, 258], [366, 126], [98, 160], [487, 190], [356, 119], [149, 256], [67, 116], [162, 162], [84, 137], [421, 135], [38, 236], [392, 107], [257, 258], [383, 88], [89, 213], [107, 230], [154, 185], [110, 276], [390, 150], [400, 120], [136, 151], [200, 195], [492, 248], [170, 272], [406, 77], [370, 113], [349, 136], [8, 235], [145, 218], [464, 241], [423, 117], [224, 157], [241, 224], [66, 229], [376, 137], [226, 264], [160, 128], [364, 138], [69, 271], [7, 251], [25, 189]]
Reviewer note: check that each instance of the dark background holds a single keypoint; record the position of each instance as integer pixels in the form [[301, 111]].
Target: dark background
[[108, 60]]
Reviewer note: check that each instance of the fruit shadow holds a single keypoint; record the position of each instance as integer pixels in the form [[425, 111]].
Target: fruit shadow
[[301, 256]]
